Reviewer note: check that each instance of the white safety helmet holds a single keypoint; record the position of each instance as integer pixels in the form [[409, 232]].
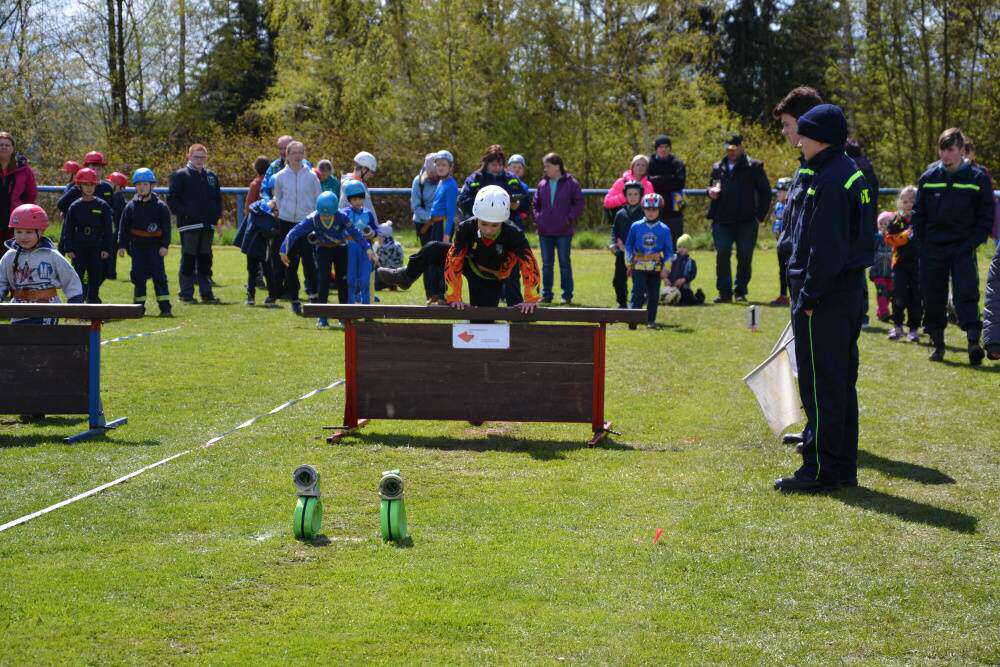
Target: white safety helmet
[[492, 204], [516, 158], [670, 295], [366, 160]]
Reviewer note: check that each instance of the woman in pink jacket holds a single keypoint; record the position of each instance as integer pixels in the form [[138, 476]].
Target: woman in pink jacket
[[637, 171], [17, 183]]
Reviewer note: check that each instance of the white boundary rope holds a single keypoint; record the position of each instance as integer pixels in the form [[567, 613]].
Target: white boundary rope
[[138, 335], [97, 489]]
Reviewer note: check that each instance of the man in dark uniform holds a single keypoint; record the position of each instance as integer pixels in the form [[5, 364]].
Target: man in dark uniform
[[952, 217], [668, 176], [798, 101], [832, 244]]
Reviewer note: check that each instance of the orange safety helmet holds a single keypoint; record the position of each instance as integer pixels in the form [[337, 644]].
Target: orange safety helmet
[[94, 157], [118, 178], [86, 175], [29, 216]]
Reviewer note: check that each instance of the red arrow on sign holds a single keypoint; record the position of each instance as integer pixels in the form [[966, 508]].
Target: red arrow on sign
[[466, 336]]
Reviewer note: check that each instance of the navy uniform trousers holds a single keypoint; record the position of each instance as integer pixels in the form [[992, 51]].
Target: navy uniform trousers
[[826, 353], [935, 269], [148, 265]]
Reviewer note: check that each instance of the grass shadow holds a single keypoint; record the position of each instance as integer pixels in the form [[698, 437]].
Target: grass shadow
[[907, 510], [11, 441], [50, 421], [984, 368], [541, 450], [902, 469]]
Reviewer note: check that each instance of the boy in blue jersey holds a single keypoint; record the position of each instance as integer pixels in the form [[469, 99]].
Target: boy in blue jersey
[[648, 249], [784, 252], [328, 229]]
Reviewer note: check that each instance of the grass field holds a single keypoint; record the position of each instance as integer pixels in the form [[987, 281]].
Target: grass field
[[528, 547]]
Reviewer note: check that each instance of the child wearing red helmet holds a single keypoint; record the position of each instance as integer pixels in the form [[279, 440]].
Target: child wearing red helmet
[[70, 167], [118, 182], [87, 234], [32, 269]]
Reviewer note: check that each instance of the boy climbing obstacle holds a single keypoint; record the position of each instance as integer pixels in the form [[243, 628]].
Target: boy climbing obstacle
[[486, 249]]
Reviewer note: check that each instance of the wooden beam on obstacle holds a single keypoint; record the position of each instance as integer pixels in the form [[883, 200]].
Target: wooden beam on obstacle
[[543, 374], [382, 312], [57, 369]]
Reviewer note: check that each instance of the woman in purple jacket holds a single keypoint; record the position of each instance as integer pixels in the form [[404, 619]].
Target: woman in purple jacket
[[557, 205]]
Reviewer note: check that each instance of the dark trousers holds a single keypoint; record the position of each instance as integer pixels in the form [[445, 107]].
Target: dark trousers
[[257, 267], [620, 281], [326, 258], [111, 263], [90, 267], [277, 286], [482, 292], [744, 236], [783, 257], [434, 275], [906, 294], [512, 287], [196, 262], [646, 286], [935, 270], [676, 227], [148, 265], [826, 353], [301, 251]]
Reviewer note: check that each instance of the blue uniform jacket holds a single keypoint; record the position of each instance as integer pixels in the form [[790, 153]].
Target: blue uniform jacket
[[684, 267], [256, 229], [833, 234], [336, 234], [954, 210]]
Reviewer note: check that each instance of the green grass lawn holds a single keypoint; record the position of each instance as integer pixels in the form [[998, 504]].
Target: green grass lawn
[[528, 547]]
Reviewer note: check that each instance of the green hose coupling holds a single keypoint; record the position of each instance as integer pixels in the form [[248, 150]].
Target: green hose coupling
[[393, 512], [309, 507]]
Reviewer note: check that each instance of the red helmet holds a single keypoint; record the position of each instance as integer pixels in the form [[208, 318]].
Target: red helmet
[[94, 157], [86, 175], [70, 167], [118, 178], [29, 216]]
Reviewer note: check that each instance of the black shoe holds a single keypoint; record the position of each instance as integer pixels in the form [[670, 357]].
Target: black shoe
[[633, 327], [976, 353], [165, 309], [722, 299], [210, 298], [993, 351], [741, 298], [185, 299], [798, 485], [271, 302], [297, 307], [792, 439], [395, 277], [937, 354]]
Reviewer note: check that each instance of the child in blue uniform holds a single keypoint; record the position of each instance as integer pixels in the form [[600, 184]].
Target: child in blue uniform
[[144, 234], [782, 186], [328, 229], [87, 234], [648, 249], [626, 215]]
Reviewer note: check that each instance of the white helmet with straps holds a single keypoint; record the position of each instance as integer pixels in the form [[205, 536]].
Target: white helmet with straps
[[492, 204], [366, 160]]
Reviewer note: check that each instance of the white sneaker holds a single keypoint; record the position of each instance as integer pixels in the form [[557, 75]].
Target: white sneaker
[[895, 333], [914, 335]]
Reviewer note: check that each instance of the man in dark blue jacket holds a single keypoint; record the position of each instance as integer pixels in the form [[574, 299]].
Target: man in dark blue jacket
[[196, 200], [741, 198], [668, 176], [832, 244], [952, 217]]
